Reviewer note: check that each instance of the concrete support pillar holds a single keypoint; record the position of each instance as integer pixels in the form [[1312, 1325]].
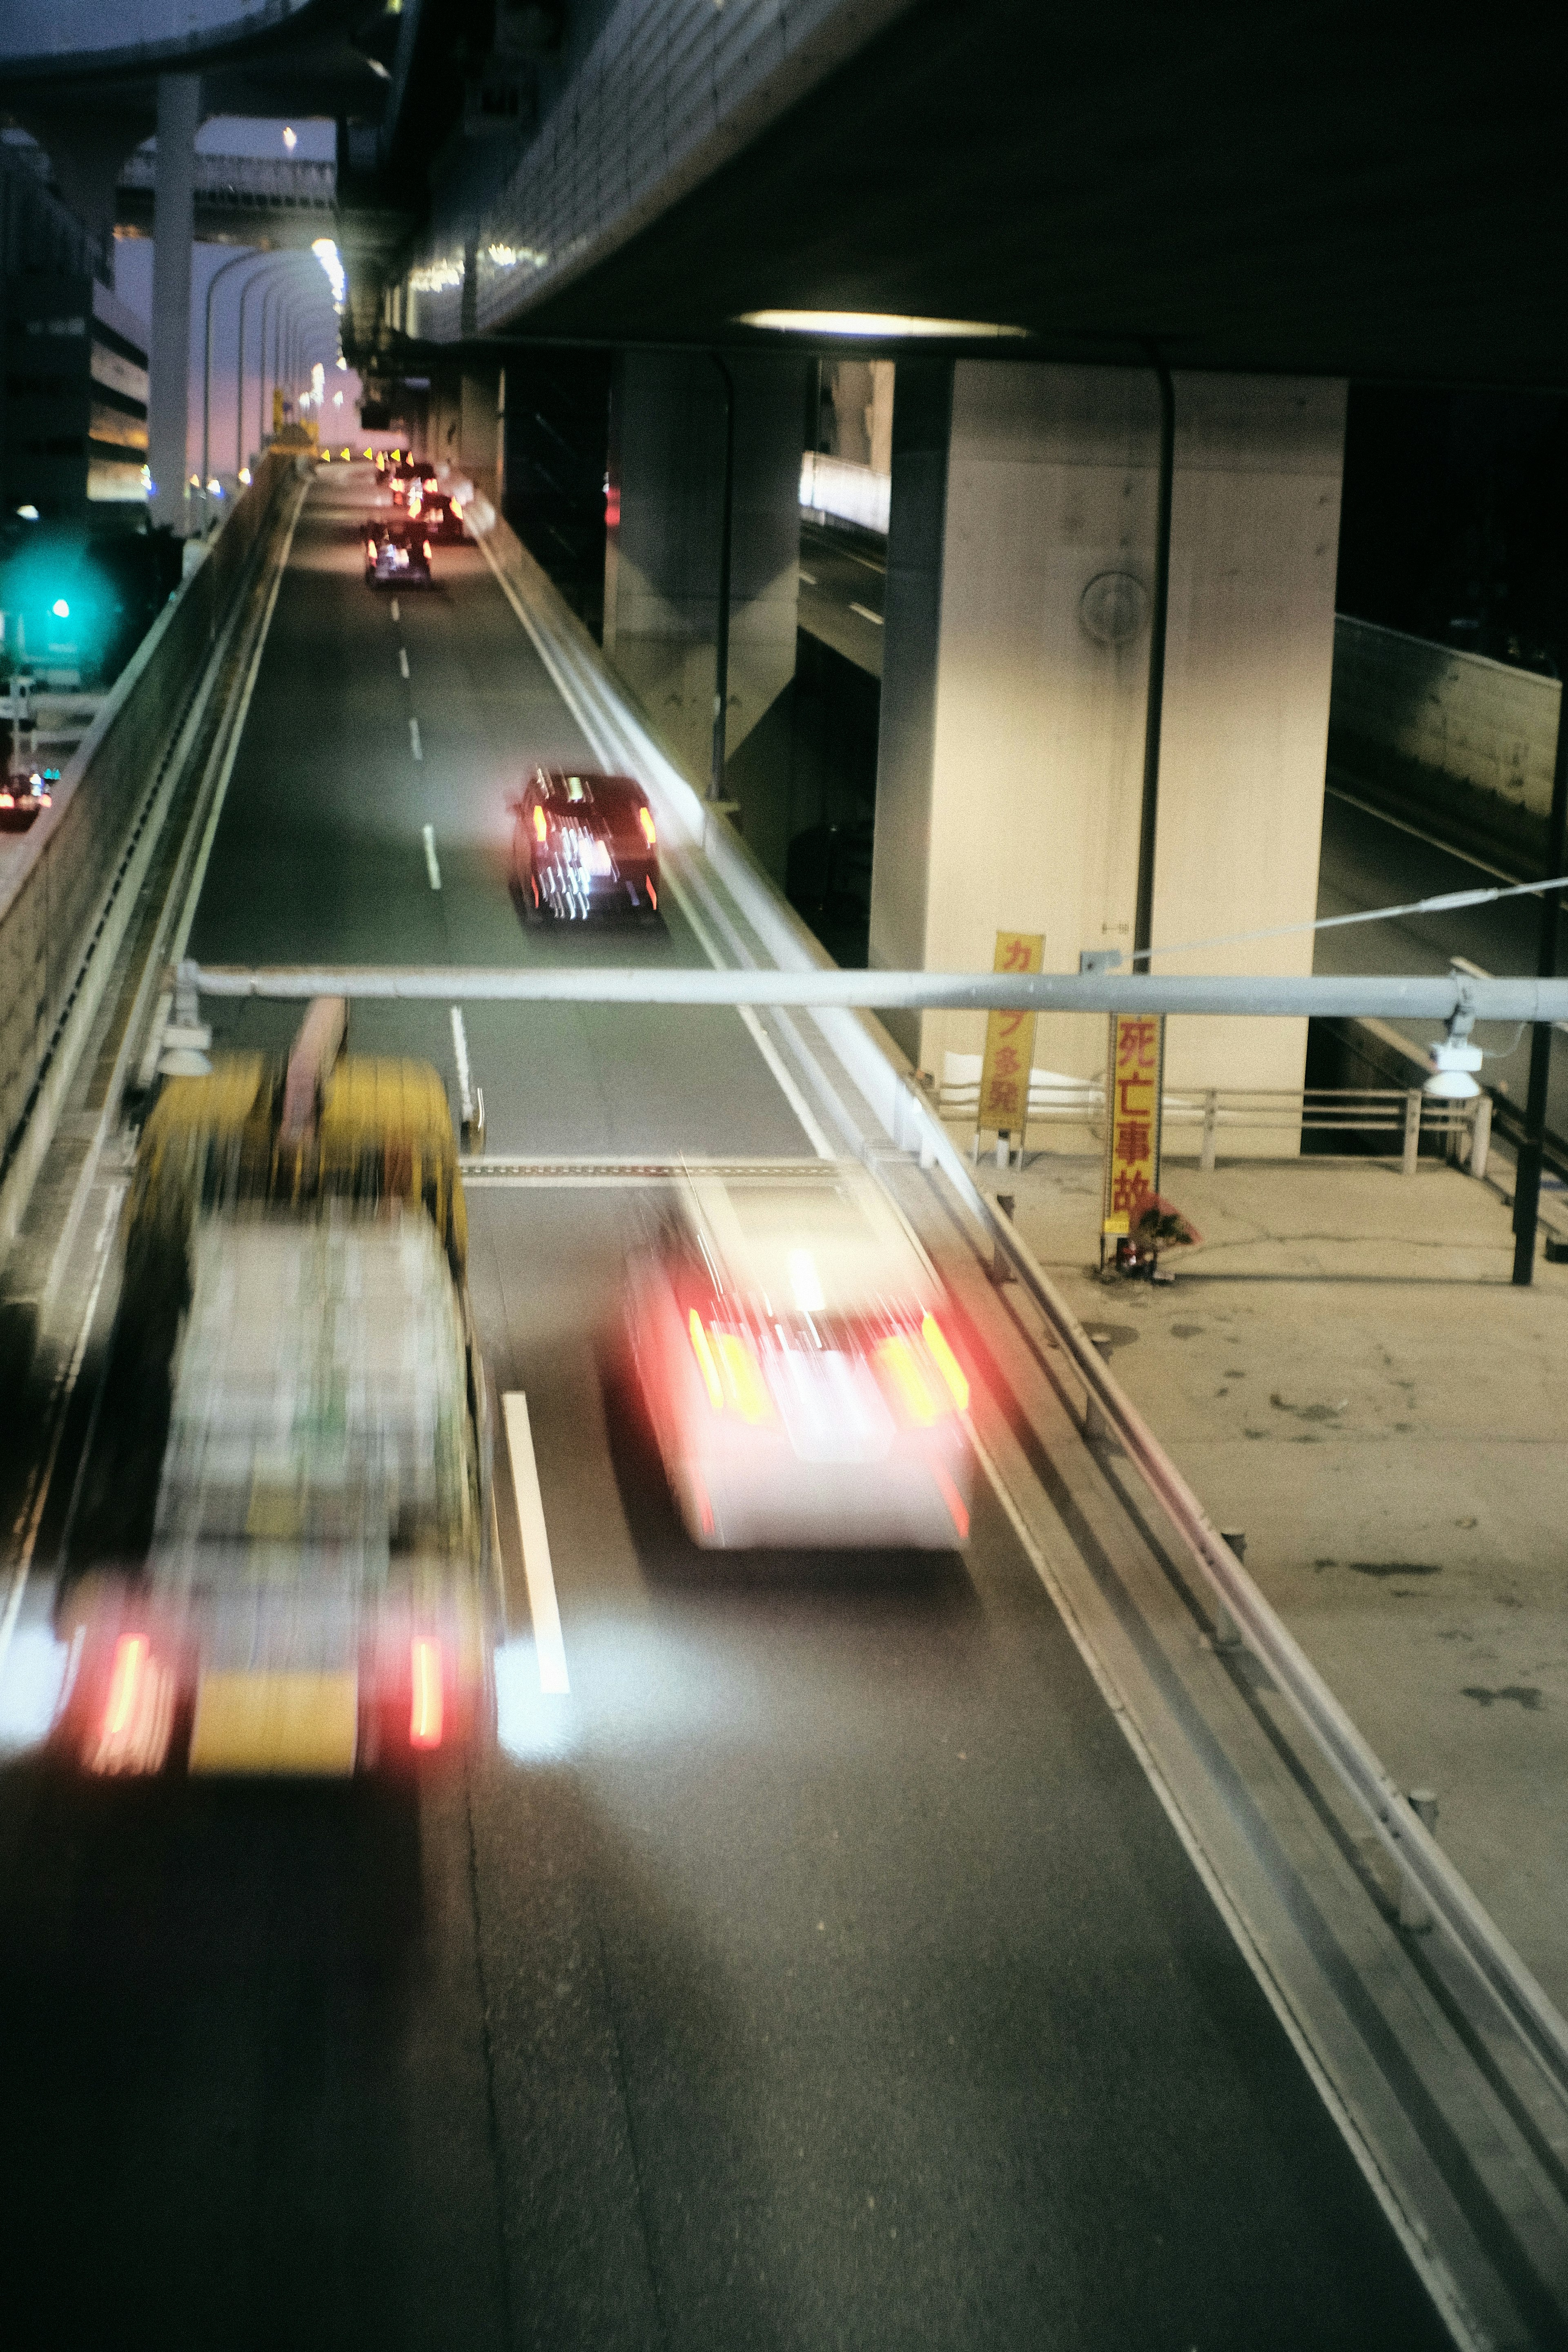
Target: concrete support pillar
[[1016, 665], [662, 556], [478, 428], [174, 235]]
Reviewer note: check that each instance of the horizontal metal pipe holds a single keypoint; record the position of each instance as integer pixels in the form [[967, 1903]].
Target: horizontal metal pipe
[[1380, 996]]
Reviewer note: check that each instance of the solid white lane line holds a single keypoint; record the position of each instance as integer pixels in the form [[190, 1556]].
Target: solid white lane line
[[431, 867], [415, 745], [1429, 840], [394, 613], [460, 1055], [549, 1648], [867, 615], [403, 661]]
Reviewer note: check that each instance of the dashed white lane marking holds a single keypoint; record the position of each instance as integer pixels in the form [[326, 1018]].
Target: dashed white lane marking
[[431, 866], [809, 577], [867, 615], [415, 745], [394, 613], [549, 1648], [402, 661]]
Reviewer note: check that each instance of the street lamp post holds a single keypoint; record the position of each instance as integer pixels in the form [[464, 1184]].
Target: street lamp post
[[265, 278], [240, 259]]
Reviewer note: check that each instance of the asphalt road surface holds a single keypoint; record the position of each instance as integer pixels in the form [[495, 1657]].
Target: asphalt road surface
[[843, 583], [820, 1972]]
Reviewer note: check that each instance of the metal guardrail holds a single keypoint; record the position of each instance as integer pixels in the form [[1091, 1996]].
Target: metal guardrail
[[244, 179], [61, 885], [1401, 1113]]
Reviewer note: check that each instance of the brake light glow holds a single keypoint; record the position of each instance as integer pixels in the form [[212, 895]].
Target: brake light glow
[[424, 1722], [138, 1715], [645, 818], [427, 550], [653, 895], [705, 1363], [7, 800], [541, 826], [130, 1654], [899, 1360], [954, 1501], [731, 1373], [946, 1362]]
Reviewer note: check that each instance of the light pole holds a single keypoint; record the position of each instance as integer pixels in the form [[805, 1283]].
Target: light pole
[[240, 259], [265, 277]]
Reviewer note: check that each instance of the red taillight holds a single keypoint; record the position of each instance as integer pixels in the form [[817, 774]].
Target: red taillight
[[424, 1721], [7, 800], [540, 824], [138, 1714], [652, 894], [645, 818], [427, 550], [132, 1652], [918, 1398], [731, 1372], [946, 1362]]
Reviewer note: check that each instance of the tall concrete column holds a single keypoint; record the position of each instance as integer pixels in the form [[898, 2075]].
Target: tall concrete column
[[174, 235], [1016, 674], [662, 557], [478, 428]]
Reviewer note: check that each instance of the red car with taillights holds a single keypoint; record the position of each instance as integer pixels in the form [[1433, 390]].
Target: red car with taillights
[[585, 844]]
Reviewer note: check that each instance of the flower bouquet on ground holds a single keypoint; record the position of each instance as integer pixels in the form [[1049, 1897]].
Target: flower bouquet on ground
[[1158, 1225]]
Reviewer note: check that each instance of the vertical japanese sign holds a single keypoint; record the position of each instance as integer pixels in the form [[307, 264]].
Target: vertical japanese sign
[[1134, 1077], [1010, 1042]]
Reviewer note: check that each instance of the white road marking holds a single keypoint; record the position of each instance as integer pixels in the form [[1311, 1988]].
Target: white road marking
[[394, 614], [415, 745], [1397, 825], [549, 1648], [460, 1055], [431, 866], [867, 615], [809, 577], [403, 661]]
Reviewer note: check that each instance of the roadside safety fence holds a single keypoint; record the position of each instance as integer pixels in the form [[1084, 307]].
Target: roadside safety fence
[[63, 908]]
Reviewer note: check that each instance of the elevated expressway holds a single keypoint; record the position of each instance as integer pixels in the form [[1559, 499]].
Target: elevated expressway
[[868, 1951]]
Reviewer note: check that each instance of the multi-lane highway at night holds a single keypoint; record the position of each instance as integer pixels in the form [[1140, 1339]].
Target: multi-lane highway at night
[[821, 1969]]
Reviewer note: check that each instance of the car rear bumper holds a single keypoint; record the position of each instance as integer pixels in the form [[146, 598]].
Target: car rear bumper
[[908, 1500]]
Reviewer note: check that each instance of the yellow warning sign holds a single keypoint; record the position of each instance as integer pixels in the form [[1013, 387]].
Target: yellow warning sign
[[1132, 1095], [1010, 1042]]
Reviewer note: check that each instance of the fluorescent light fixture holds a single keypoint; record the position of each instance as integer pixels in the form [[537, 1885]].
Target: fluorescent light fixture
[[883, 326]]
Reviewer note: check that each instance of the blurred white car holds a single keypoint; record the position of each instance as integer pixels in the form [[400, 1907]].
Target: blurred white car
[[789, 1340]]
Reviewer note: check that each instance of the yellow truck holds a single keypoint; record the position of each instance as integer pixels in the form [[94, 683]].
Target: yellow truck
[[282, 1558]]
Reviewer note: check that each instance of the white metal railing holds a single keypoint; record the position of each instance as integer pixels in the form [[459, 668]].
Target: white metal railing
[[1402, 1114], [245, 179], [832, 486]]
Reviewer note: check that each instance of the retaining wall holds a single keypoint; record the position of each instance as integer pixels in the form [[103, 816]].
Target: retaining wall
[[56, 880], [1469, 741]]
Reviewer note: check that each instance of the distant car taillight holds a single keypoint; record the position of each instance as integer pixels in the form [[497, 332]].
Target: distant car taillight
[[645, 818], [946, 1362], [427, 550], [426, 1716], [731, 1373]]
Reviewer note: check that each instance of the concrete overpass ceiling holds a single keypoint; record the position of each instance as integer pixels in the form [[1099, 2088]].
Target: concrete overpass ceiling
[[255, 56], [1309, 189]]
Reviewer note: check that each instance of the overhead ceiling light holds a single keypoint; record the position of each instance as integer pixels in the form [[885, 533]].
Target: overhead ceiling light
[[888, 326]]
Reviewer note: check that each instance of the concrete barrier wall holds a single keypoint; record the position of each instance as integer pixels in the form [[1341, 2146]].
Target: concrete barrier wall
[[1471, 738], [56, 879]]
